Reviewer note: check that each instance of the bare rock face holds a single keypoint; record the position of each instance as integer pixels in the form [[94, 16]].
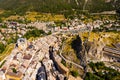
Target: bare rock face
[[95, 51]]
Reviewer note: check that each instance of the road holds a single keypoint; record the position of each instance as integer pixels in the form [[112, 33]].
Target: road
[[72, 31], [76, 31], [84, 61], [67, 59]]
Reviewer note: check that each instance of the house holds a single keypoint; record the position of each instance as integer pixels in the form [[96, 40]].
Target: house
[[27, 57], [64, 28], [22, 43], [10, 75]]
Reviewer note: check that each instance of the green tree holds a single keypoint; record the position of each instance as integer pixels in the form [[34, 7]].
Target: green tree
[[1, 20], [14, 70], [34, 33], [90, 76], [4, 26], [2, 47], [63, 62], [74, 73]]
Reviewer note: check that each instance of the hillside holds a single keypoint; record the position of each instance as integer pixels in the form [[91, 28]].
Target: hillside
[[56, 6], [39, 5]]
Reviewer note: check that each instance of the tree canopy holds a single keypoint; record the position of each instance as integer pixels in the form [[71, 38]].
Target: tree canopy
[[34, 33]]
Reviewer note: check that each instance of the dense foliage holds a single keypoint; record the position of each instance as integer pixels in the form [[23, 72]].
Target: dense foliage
[[117, 7], [12, 40], [99, 5], [90, 76], [63, 62], [74, 73], [2, 63], [54, 6], [14, 70], [34, 33], [2, 47], [3, 26], [101, 72]]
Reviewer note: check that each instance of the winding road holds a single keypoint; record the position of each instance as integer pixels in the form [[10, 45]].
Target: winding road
[[78, 65], [85, 57], [67, 59]]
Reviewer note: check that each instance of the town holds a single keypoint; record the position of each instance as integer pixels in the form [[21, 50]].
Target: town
[[39, 59]]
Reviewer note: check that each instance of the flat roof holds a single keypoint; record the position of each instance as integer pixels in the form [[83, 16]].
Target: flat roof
[[16, 75]]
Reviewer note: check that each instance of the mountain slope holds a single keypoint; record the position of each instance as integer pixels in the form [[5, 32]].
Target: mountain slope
[[55, 5]]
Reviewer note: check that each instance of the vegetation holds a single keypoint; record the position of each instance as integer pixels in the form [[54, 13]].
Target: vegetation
[[3, 26], [68, 51], [49, 33], [1, 20], [38, 5], [12, 40], [6, 14], [66, 7], [99, 6], [90, 76], [2, 63], [117, 7], [34, 33], [2, 47], [74, 73], [14, 70], [6, 51], [63, 62], [101, 72], [113, 37], [98, 65]]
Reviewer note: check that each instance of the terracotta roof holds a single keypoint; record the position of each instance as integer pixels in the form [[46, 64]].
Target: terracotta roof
[[15, 75], [28, 56]]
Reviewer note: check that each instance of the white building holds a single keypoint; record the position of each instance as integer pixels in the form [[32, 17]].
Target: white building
[[22, 43]]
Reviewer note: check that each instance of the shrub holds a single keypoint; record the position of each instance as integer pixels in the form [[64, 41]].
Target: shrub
[[74, 73]]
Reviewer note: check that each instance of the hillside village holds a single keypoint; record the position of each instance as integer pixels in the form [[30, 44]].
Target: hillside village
[[59, 39], [39, 58], [14, 29]]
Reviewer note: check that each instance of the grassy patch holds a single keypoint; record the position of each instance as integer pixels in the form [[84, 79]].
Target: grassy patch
[[2, 63], [33, 16], [68, 52], [7, 51], [107, 37]]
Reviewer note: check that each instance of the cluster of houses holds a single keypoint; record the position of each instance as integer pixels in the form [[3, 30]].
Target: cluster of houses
[[39, 59], [79, 25], [20, 29], [32, 61], [12, 29]]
